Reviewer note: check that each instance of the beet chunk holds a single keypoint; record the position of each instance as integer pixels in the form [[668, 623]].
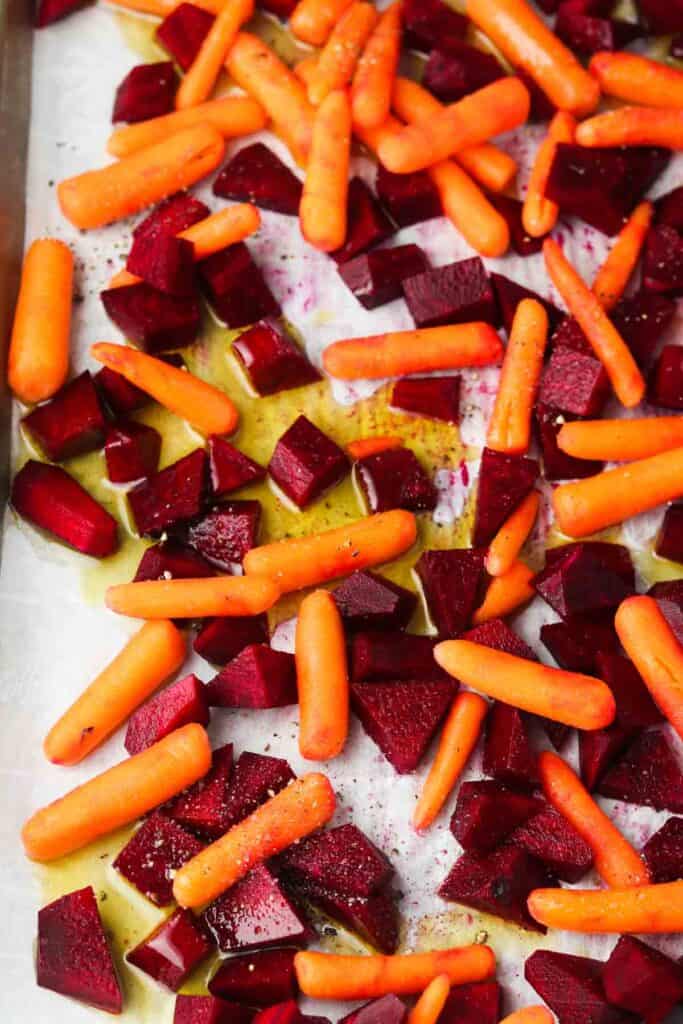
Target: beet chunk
[[641, 320], [171, 560], [598, 749], [71, 423], [225, 534], [663, 852], [557, 465], [409, 198], [586, 34], [256, 175], [580, 584], [574, 382], [258, 677], [255, 779], [669, 209], [230, 468], [170, 217], [374, 918], [131, 451], [173, 950], [451, 581], [642, 980], [474, 1003], [575, 645], [462, 69], [179, 704], [154, 321], [366, 600], [665, 385], [635, 707], [614, 558], [454, 294], [430, 23], [497, 634], [54, 10], [119, 395], [367, 222], [170, 496], [148, 90], [209, 1010], [662, 260], [256, 979], [183, 31], [504, 481], [669, 542], [660, 17], [542, 107], [508, 754], [432, 397], [395, 478], [648, 774], [220, 640], [375, 278], [235, 287], [511, 209], [342, 859], [509, 294], [486, 813], [385, 1010], [73, 957], [550, 838], [283, 1013], [498, 884], [150, 859], [572, 988], [253, 914], [164, 262], [272, 361], [306, 462], [386, 656], [203, 807]]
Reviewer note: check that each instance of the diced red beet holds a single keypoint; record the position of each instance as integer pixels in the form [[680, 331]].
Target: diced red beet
[[256, 979], [281, 8], [341, 859], [498, 884], [454, 294], [255, 779], [236, 288], [511, 209], [258, 677], [662, 260], [55, 10], [572, 988], [676, 47], [230, 468], [171, 560], [402, 717], [557, 733], [164, 262], [460, 70], [202, 807], [598, 749], [663, 852], [509, 294], [73, 956], [430, 23], [367, 222], [131, 451], [283, 1013], [254, 914], [173, 950], [272, 361], [171, 496], [409, 198], [306, 462], [48, 497], [641, 319], [432, 397], [557, 465], [386, 656], [614, 558], [220, 640], [669, 543], [375, 277], [665, 385], [171, 216], [374, 918], [119, 395], [669, 590], [183, 31], [451, 581], [542, 107], [150, 859], [395, 478], [586, 34], [366, 600], [177, 705], [147, 91], [225, 533], [669, 209], [579, 584], [209, 1010], [574, 382], [504, 481], [550, 838], [648, 774], [642, 980], [486, 813], [71, 423], [497, 634], [256, 175], [576, 644], [384, 1010], [153, 320], [508, 754], [474, 1003], [635, 707], [660, 17]]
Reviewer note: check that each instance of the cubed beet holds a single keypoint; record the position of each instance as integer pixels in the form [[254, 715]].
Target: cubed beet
[[663, 852], [151, 858], [508, 754], [660, 17], [386, 656], [395, 478], [663, 260], [256, 175], [172, 495], [511, 209], [504, 481], [147, 91], [542, 108], [635, 706], [550, 838], [209, 1010], [177, 705], [258, 677], [598, 749], [220, 640], [580, 584], [341, 859], [454, 294], [131, 451], [409, 198], [173, 950], [557, 465], [171, 216], [119, 395], [183, 31], [430, 23], [665, 385], [375, 278], [306, 462], [203, 807], [642, 980], [498, 883], [253, 914], [452, 582], [154, 321], [54, 10], [572, 988], [648, 774], [256, 778], [587, 35], [575, 645], [71, 423], [497, 634], [374, 918], [164, 262], [230, 468], [383, 1010], [236, 288], [460, 70], [509, 294], [574, 382], [366, 600], [475, 1003], [171, 560], [272, 361], [486, 812], [669, 209], [224, 534], [641, 319], [432, 397], [367, 222], [256, 979]]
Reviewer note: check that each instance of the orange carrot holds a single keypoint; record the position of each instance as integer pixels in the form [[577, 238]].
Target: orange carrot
[[645, 909], [567, 697], [339, 57], [118, 796], [458, 739], [616, 861], [305, 69], [539, 214], [95, 198], [510, 425], [586, 506], [432, 1001], [330, 976], [322, 678], [38, 360], [302, 807], [527, 42], [530, 1015], [200, 78], [615, 273], [372, 445], [150, 656], [621, 440], [633, 126], [605, 340], [402, 352], [468, 209], [636, 79], [193, 599], [207, 409], [649, 641], [373, 138], [313, 20], [319, 557], [322, 212], [376, 71], [506, 593], [510, 539]]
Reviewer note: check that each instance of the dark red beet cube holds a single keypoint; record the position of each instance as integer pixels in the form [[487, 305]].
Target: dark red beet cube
[[150, 859], [660, 17], [511, 209], [154, 321], [71, 423], [460, 70], [635, 707], [498, 884], [281, 8], [183, 31], [258, 677], [662, 260], [475, 1003], [585, 34], [509, 294], [614, 558], [236, 288], [641, 320], [395, 478], [54, 10], [209, 1010], [451, 581], [487, 812], [432, 397], [256, 175], [272, 361], [385, 1010], [255, 779], [557, 465], [665, 385], [642, 980], [409, 198], [598, 749], [203, 807], [220, 640], [508, 754], [497, 634], [454, 294], [648, 773], [663, 852], [256, 979], [225, 534], [171, 560], [386, 656], [173, 950], [253, 914], [164, 262], [230, 468], [341, 859], [575, 645], [177, 705], [430, 23], [283, 1013], [148, 90], [550, 838], [504, 481], [572, 988], [306, 462], [171, 496], [373, 918], [368, 601], [131, 451], [170, 217], [367, 222], [574, 382], [580, 584], [542, 107], [669, 208], [119, 395], [376, 277]]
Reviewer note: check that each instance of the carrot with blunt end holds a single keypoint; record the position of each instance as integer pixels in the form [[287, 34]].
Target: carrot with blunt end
[[644, 909], [506, 593], [374, 78], [301, 808], [339, 57], [119, 795], [313, 20], [200, 78], [188, 598], [510, 539], [322, 212], [458, 739], [372, 445], [432, 1001], [539, 214], [38, 360], [150, 656], [322, 678], [469, 210], [530, 1015], [636, 79], [509, 428], [615, 273], [621, 440], [633, 126], [567, 697]]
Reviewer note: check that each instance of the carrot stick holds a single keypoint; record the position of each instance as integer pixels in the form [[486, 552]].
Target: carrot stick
[[636, 79], [372, 445], [539, 214], [339, 57], [605, 340], [322, 212], [376, 71], [306, 68], [119, 795], [530, 1015], [510, 539], [313, 20], [322, 678], [645, 909], [586, 506], [150, 656], [187, 598], [319, 557], [505, 594], [523, 37], [38, 360], [200, 78], [615, 273], [621, 440], [207, 409], [302, 807], [402, 352], [510, 425], [616, 861], [469, 210], [567, 697], [651, 645], [95, 198], [633, 126], [458, 739], [432, 1001]]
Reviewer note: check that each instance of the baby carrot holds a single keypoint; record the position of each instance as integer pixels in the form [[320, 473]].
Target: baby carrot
[[633, 126], [530, 1015], [339, 57], [510, 539], [200, 78], [615, 273], [649, 641], [469, 210], [313, 20], [302, 807], [322, 212], [605, 340], [586, 506], [402, 352], [207, 409], [319, 557], [644, 909], [38, 360], [539, 214], [193, 599], [95, 198], [432, 1001], [372, 445], [621, 440], [150, 656], [376, 71], [636, 79], [322, 678], [509, 429], [458, 739], [506, 593], [306, 68], [527, 42], [567, 697], [119, 795]]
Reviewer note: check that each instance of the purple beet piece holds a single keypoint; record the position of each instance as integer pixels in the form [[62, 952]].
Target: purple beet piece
[[409, 198], [497, 634], [170, 217], [648, 774], [395, 478], [635, 707], [272, 361], [474, 1003], [209, 1010], [48, 497], [375, 278], [255, 779], [451, 581], [258, 677], [661, 17], [55, 10], [585, 34], [454, 294], [386, 656], [460, 70], [509, 294], [177, 705], [367, 222], [580, 584], [542, 107], [641, 319], [203, 807], [230, 468], [256, 175], [572, 988], [236, 288], [384, 1010], [73, 956], [147, 91], [164, 262], [669, 208], [366, 600], [574, 382], [575, 645], [431, 397], [256, 979], [598, 749], [283, 1013], [154, 321], [171, 496], [150, 859], [550, 838], [374, 918], [557, 465], [224, 534], [665, 384], [220, 640], [173, 950], [254, 914], [511, 209], [171, 560], [183, 31], [119, 395], [614, 558], [662, 260], [663, 852], [430, 23], [131, 451], [508, 754], [341, 859], [306, 462], [281, 8], [487, 812], [71, 423], [504, 481], [642, 980]]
